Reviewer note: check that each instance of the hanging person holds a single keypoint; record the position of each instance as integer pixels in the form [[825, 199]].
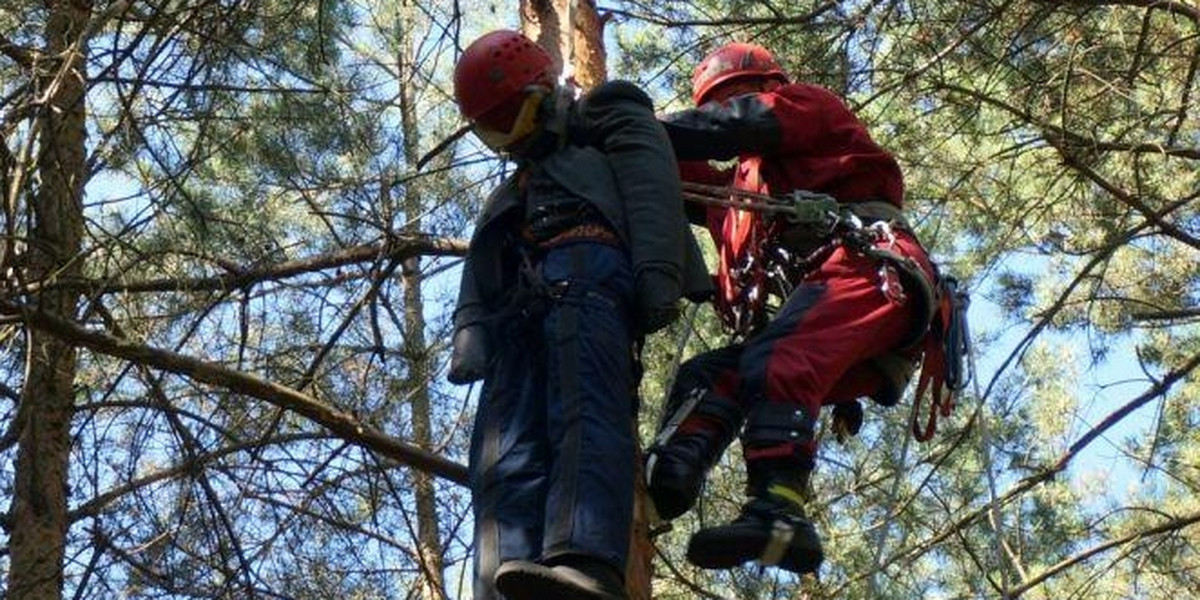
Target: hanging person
[[582, 251]]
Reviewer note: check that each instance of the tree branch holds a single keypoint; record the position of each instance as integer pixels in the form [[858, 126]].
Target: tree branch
[[1171, 525], [775, 21], [1178, 8], [19, 54], [344, 425], [398, 247]]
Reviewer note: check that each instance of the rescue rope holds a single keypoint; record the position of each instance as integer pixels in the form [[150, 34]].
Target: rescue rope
[[720, 194], [892, 514], [738, 199]]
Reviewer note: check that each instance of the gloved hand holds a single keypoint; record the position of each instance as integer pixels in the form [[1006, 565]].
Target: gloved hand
[[658, 293], [847, 420], [470, 355], [655, 318]]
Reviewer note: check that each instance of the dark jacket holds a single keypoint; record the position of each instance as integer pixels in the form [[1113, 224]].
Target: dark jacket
[[617, 158]]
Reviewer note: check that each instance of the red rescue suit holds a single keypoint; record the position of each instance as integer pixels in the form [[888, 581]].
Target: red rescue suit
[[851, 308]]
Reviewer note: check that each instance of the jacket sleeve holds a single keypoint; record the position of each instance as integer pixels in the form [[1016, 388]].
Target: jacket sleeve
[[796, 118], [741, 125], [470, 346], [626, 130]]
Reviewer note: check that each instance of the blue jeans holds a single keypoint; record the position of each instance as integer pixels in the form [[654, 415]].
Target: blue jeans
[[552, 452]]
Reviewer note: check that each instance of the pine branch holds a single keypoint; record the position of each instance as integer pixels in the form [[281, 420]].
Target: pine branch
[[397, 248], [1167, 527], [346, 426]]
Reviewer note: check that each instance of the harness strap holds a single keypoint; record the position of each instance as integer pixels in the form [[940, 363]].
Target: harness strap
[[942, 372], [912, 273]]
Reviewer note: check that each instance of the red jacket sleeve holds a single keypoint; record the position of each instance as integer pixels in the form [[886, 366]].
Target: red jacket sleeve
[[812, 117]]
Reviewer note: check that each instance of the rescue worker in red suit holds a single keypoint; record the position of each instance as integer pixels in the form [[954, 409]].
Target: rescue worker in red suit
[[826, 343], [582, 250]]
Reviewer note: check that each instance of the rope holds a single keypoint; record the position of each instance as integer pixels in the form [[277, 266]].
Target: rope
[[893, 495], [682, 341], [985, 448], [656, 525], [721, 193], [738, 199]]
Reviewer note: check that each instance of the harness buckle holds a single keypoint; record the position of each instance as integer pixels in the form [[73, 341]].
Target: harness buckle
[[884, 232], [814, 211]]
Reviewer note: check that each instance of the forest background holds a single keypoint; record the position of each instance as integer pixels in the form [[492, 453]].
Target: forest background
[[230, 241]]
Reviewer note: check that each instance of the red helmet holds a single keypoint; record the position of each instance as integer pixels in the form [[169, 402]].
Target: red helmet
[[494, 72], [733, 61]]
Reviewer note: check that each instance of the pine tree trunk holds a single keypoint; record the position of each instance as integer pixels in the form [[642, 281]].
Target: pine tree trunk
[[39, 505], [544, 21], [429, 543]]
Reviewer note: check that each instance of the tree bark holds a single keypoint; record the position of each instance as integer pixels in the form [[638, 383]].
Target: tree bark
[[431, 553], [582, 48], [581, 54], [39, 504]]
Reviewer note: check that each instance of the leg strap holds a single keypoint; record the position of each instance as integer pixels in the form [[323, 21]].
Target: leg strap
[[771, 425]]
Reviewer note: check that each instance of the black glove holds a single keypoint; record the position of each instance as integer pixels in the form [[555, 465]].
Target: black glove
[[657, 299], [469, 358], [653, 319], [847, 420]]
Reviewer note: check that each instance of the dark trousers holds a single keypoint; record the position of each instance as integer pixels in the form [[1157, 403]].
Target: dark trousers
[[552, 452]]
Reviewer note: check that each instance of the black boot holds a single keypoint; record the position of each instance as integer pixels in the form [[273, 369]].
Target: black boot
[[772, 529], [677, 466], [573, 577]]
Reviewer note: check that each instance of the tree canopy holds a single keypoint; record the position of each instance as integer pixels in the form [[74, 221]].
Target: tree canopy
[[230, 250]]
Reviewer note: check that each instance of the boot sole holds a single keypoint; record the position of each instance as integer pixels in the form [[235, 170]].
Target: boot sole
[[537, 582], [731, 546]]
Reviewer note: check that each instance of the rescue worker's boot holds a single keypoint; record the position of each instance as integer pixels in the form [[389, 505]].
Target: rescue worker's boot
[[571, 577], [772, 529], [696, 431]]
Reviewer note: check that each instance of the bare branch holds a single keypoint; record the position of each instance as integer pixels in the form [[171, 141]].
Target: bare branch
[[344, 425], [397, 248]]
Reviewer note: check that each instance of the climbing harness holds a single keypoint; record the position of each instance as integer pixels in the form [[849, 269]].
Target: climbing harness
[[815, 225], [751, 268]]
